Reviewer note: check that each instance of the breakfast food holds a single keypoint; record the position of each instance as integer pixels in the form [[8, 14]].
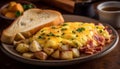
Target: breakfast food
[[15, 9], [29, 23], [66, 41], [42, 34]]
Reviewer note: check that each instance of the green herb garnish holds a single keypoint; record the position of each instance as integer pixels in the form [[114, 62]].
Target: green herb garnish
[[97, 27], [82, 38], [48, 38], [28, 6], [73, 32], [63, 33], [42, 30], [80, 29], [72, 38], [53, 27], [43, 34], [76, 43], [100, 31], [63, 29], [64, 24], [50, 34], [57, 36], [41, 37], [18, 13], [76, 35]]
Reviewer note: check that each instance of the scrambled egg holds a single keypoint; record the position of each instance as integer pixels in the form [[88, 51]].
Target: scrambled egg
[[74, 34]]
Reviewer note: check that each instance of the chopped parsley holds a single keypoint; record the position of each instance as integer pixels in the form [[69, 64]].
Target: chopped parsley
[[82, 38], [97, 27], [27, 6], [63, 33], [80, 29], [100, 31], [41, 37], [64, 24], [76, 43], [63, 29], [18, 13], [53, 27], [73, 32], [57, 36], [42, 30], [43, 34], [50, 34], [76, 35], [48, 38], [72, 38]]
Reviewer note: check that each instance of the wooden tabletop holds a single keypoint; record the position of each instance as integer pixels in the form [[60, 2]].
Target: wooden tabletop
[[109, 61]]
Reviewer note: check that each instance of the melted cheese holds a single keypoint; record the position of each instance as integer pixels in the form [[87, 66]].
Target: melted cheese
[[74, 34]]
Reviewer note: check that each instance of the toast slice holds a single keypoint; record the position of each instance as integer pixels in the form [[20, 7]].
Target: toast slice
[[29, 23]]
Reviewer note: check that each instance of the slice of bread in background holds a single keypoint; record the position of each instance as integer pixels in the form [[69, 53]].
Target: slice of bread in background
[[29, 23]]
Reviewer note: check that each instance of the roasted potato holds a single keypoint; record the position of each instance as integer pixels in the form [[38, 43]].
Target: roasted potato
[[56, 54], [40, 55], [76, 52], [22, 48], [34, 46], [28, 55], [64, 47], [49, 51], [67, 55]]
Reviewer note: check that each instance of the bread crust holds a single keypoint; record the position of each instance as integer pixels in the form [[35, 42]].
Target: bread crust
[[9, 39]]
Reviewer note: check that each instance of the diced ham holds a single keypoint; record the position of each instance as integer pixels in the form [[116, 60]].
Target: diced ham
[[99, 39], [109, 30]]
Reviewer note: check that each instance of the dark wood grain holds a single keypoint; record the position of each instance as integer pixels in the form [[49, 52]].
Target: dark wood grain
[[109, 61]]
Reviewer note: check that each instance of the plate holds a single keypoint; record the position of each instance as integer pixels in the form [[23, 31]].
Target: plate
[[8, 49]]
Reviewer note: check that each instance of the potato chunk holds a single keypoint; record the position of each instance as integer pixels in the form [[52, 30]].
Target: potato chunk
[[28, 55], [66, 55], [56, 54], [49, 51], [34, 46], [22, 48], [64, 47], [40, 55], [76, 52]]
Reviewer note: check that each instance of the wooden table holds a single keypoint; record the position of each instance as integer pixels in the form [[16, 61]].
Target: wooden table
[[109, 61]]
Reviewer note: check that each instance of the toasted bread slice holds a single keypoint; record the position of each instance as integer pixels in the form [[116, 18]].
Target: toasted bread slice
[[29, 23]]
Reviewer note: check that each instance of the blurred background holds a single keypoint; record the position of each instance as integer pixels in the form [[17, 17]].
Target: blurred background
[[66, 6]]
